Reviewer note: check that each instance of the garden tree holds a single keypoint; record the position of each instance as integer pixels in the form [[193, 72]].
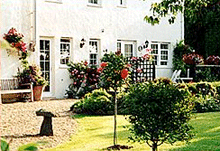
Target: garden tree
[[113, 74], [173, 7], [202, 21], [158, 112]]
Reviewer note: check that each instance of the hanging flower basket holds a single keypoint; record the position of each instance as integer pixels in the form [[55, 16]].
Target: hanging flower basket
[[15, 40]]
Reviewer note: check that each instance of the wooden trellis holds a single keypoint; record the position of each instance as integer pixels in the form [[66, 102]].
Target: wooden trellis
[[141, 69]]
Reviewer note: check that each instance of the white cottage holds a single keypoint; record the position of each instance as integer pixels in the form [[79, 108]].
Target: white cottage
[[76, 30]]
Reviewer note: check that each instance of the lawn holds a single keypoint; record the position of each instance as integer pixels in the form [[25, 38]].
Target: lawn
[[96, 133]]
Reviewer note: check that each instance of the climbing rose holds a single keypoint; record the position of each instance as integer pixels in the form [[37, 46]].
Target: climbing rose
[[104, 64], [124, 73]]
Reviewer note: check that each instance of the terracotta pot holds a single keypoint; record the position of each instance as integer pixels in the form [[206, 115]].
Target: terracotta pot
[[38, 91]]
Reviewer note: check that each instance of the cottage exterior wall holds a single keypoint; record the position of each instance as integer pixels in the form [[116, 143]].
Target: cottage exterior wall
[[77, 19]]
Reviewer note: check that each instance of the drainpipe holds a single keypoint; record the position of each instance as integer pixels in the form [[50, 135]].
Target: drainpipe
[[35, 20]]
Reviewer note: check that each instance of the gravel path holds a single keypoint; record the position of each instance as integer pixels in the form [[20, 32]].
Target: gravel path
[[20, 123]]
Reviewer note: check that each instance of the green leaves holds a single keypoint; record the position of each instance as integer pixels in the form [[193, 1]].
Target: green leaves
[[158, 111]]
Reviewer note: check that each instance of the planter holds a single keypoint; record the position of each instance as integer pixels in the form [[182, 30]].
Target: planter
[[38, 91]]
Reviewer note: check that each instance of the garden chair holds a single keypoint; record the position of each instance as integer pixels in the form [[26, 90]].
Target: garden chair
[[176, 76]]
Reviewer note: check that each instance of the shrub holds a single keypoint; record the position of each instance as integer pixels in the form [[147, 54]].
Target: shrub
[[96, 103], [205, 95], [206, 103], [85, 79], [159, 112], [179, 50]]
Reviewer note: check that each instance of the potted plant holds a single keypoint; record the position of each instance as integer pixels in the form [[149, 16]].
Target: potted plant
[[32, 73]]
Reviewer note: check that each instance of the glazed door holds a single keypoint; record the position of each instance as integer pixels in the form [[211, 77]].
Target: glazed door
[[45, 63]]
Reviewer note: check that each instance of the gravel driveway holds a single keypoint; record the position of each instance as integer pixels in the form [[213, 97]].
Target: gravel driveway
[[20, 124]]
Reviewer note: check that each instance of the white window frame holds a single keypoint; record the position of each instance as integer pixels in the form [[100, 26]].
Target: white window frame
[[54, 1], [91, 3], [94, 51], [162, 54], [66, 42], [122, 44]]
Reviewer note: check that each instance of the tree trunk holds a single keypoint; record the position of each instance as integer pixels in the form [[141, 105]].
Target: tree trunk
[[115, 119], [154, 147]]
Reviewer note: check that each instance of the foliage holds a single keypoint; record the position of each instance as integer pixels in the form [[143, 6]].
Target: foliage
[[4, 145], [205, 96], [159, 112], [206, 103], [15, 40], [31, 73], [202, 29], [179, 50], [85, 79], [96, 103], [208, 74], [28, 147], [113, 70], [172, 7]]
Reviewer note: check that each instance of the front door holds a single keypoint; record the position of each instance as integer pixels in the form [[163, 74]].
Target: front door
[[45, 64]]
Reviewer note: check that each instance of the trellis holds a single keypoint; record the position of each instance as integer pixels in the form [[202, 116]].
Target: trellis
[[141, 69]]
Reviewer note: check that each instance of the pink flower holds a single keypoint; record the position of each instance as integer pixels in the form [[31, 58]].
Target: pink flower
[[124, 73], [104, 64], [134, 58], [146, 57], [139, 70], [129, 65]]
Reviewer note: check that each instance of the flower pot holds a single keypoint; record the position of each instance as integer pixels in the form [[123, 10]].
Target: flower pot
[[38, 91]]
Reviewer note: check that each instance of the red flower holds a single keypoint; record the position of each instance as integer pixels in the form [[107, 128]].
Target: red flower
[[124, 73], [104, 64], [99, 70], [85, 63]]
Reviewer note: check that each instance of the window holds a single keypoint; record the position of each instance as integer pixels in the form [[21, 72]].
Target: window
[[161, 53], [54, 1], [127, 48], [94, 2], [93, 52], [64, 51]]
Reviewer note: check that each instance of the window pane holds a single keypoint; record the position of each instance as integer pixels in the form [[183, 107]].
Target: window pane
[[164, 46], [128, 50]]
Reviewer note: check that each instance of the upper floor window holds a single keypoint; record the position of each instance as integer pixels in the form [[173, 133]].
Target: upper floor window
[[161, 53], [94, 1], [54, 1], [64, 51]]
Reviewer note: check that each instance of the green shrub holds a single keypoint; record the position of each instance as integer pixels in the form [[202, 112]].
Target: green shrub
[[206, 96], [206, 103], [159, 112], [96, 103]]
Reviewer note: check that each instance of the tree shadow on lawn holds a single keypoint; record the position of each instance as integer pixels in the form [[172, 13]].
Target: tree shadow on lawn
[[122, 136]]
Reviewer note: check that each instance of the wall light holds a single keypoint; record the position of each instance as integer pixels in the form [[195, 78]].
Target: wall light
[[82, 43]]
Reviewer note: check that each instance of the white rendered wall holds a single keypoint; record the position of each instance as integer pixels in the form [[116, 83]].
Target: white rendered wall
[[76, 19]]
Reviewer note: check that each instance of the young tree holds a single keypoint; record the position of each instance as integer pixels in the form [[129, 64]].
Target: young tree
[[113, 74], [159, 113]]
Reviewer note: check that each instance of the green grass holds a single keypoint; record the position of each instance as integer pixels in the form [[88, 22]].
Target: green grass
[[95, 133]]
